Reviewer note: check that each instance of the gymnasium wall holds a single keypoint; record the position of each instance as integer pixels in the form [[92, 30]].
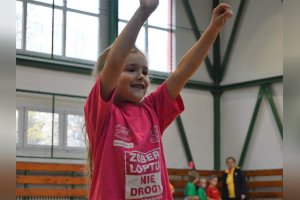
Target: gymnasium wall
[[197, 118], [198, 115], [257, 53], [185, 37], [265, 147]]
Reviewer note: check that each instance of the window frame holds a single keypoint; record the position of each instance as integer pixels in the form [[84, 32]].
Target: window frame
[[60, 126], [39, 58], [65, 133], [25, 58], [21, 123], [23, 148], [170, 30]]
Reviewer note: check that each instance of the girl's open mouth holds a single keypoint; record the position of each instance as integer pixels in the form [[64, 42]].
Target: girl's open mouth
[[139, 86]]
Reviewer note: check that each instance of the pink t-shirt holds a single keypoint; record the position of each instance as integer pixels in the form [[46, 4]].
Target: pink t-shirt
[[126, 145]]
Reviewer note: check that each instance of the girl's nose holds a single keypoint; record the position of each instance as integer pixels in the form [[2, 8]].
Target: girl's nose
[[140, 75]]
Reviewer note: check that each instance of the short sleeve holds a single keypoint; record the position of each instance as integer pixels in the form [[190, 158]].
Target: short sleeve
[[189, 190], [201, 194], [95, 111], [166, 108]]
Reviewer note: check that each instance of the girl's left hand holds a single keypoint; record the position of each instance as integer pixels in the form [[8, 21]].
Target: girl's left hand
[[220, 15], [149, 5]]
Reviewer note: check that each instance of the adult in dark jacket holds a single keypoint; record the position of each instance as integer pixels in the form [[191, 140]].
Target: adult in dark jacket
[[233, 182]]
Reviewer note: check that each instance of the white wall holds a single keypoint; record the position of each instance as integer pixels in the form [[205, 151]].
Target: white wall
[[198, 124], [52, 81], [265, 147], [257, 52], [185, 37]]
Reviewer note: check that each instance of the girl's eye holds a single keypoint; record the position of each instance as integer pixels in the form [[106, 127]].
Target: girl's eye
[[145, 72], [129, 70]]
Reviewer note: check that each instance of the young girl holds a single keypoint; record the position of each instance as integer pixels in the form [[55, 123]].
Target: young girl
[[124, 127]]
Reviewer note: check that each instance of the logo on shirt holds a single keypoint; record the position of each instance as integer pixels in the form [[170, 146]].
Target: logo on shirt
[[120, 143], [154, 134], [143, 174], [122, 132]]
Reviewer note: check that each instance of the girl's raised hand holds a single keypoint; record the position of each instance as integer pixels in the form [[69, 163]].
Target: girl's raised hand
[[220, 15], [149, 5]]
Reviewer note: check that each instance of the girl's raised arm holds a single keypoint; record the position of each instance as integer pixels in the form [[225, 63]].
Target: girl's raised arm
[[122, 46], [192, 60]]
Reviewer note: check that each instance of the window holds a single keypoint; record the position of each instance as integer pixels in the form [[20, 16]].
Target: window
[[66, 31], [39, 29], [75, 136], [39, 128], [156, 36], [50, 126], [19, 28]]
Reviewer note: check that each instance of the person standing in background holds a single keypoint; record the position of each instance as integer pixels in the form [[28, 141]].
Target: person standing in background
[[233, 181]]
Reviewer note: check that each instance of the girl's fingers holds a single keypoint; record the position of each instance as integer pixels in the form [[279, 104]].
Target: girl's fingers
[[225, 5], [228, 13], [222, 8]]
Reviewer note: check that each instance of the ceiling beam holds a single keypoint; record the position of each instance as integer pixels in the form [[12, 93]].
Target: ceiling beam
[[197, 34], [232, 37]]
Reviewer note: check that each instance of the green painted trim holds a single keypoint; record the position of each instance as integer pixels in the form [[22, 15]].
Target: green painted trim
[[113, 20], [59, 158], [184, 140], [197, 33], [268, 93], [217, 61], [49, 93], [252, 83], [217, 129], [251, 126], [232, 37], [191, 84], [44, 63], [87, 69], [192, 18], [216, 54]]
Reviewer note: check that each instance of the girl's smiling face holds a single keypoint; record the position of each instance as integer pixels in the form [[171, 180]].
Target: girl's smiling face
[[134, 81]]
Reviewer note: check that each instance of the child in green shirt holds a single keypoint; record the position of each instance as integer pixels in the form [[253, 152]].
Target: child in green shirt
[[190, 191], [201, 184]]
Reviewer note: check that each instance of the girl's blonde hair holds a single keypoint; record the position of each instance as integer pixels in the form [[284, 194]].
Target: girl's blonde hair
[[96, 72], [102, 58]]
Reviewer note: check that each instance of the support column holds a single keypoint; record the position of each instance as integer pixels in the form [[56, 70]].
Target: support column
[[217, 128]]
